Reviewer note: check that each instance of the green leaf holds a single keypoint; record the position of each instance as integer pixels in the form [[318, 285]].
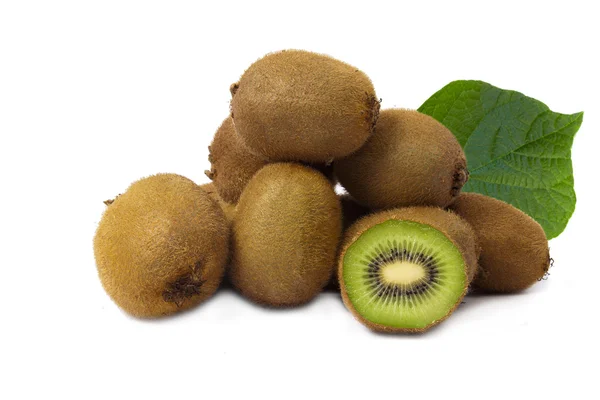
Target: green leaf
[[517, 149]]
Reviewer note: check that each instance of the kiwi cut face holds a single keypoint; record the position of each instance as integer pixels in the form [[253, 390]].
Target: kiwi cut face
[[403, 275]]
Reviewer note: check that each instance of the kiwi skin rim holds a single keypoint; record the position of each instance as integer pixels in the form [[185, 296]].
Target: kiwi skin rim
[[450, 224]]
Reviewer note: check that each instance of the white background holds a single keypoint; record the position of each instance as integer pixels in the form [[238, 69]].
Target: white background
[[95, 95]]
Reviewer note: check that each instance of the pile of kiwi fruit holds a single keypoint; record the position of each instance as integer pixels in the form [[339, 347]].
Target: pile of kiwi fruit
[[314, 187]]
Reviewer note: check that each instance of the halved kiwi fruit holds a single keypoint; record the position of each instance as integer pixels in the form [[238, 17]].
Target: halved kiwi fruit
[[406, 270]]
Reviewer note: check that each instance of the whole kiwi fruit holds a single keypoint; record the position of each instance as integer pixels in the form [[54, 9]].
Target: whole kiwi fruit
[[296, 105], [161, 247], [286, 233], [514, 247], [232, 164], [411, 159], [406, 269]]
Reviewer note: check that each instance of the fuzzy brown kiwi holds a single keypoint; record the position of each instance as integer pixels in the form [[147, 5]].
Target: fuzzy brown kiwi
[[410, 160], [406, 269], [296, 105], [228, 208], [285, 235], [161, 247], [232, 164], [514, 247]]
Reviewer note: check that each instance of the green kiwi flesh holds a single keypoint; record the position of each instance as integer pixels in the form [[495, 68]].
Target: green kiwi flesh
[[403, 274]]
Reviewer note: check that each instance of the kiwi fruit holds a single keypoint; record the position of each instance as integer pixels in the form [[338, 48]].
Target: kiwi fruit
[[161, 247], [406, 269], [286, 233], [410, 160], [232, 164], [514, 247], [296, 105], [228, 208]]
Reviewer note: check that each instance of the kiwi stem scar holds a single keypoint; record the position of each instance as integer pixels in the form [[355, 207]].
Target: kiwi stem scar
[[184, 287]]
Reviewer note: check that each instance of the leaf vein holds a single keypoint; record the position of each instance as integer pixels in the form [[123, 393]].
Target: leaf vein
[[527, 144]]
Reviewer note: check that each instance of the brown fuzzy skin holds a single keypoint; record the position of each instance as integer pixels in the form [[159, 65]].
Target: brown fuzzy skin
[[411, 160], [232, 164], [228, 208], [285, 236], [161, 247], [296, 105], [514, 248], [450, 224]]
